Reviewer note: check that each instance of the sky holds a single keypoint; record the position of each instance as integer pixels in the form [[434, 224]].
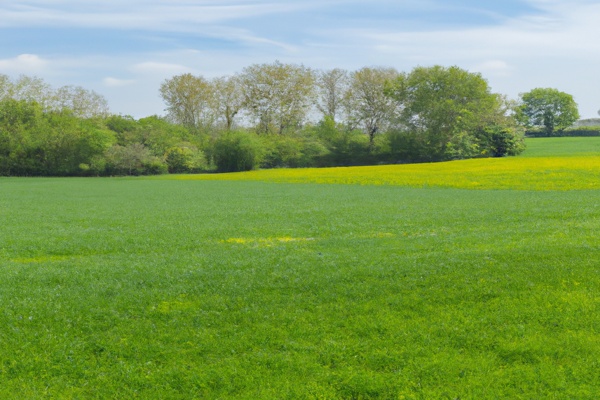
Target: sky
[[124, 49]]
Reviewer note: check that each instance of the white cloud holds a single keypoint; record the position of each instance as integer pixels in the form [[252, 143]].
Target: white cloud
[[115, 82], [493, 68], [553, 44], [154, 15], [152, 67], [24, 63]]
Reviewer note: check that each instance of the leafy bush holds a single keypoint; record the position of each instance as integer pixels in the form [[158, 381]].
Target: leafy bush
[[236, 151], [281, 151], [500, 141], [185, 158], [134, 159]]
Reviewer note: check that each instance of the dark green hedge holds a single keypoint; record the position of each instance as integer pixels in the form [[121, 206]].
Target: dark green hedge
[[582, 131]]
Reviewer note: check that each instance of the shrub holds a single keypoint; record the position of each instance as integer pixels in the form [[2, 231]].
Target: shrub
[[185, 158], [236, 151], [134, 159]]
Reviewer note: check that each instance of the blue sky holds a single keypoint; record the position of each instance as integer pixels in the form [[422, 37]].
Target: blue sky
[[125, 49]]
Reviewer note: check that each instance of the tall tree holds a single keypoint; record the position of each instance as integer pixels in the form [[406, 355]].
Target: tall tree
[[31, 88], [332, 86], [189, 100], [82, 102], [547, 108], [443, 109], [229, 99], [5, 87], [277, 96], [366, 104]]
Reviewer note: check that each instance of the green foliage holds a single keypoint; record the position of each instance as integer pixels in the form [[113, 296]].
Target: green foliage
[[579, 131], [121, 124], [185, 158], [548, 108], [500, 141], [431, 114], [237, 151], [352, 147], [189, 100], [291, 151], [133, 159], [277, 96], [281, 151], [441, 111], [33, 142]]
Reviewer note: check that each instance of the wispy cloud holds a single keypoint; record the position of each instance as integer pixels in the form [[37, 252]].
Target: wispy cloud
[[152, 67], [516, 44], [135, 15], [24, 63], [115, 82]]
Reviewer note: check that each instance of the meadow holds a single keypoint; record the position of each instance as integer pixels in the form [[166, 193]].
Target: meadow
[[387, 282]]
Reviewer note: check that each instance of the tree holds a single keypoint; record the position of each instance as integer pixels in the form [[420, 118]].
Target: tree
[[229, 99], [134, 159], [332, 86], [30, 89], [547, 108], [366, 104], [189, 100], [20, 124], [277, 96], [442, 109], [82, 102], [5, 87]]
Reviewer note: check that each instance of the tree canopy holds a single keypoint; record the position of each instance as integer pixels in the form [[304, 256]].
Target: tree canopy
[[444, 112], [266, 116], [547, 108]]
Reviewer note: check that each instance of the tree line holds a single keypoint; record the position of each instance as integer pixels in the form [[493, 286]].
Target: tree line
[[268, 116]]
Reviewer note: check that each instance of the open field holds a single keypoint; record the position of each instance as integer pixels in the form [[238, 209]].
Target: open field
[[186, 288], [547, 164]]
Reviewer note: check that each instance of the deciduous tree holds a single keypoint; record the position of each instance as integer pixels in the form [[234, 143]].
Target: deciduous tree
[[332, 86], [366, 103], [189, 100], [547, 108], [277, 96], [442, 109], [82, 102], [229, 99]]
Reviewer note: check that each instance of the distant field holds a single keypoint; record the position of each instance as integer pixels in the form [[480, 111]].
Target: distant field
[[214, 289], [547, 164], [562, 147]]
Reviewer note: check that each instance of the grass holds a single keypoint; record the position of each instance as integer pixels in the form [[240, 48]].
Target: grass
[[179, 289], [562, 147], [549, 164]]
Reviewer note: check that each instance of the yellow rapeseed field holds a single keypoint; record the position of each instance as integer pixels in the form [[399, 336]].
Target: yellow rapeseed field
[[520, 173]]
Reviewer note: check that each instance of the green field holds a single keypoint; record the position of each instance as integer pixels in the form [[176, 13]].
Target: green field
[[178, 289]]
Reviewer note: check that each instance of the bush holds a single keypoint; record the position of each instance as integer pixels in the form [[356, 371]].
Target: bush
[[236, 151], [135, 159], [280, 151], [185, 158], [350, 148], [500, 141]]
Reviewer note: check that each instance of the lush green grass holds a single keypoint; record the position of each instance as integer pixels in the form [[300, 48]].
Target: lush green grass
[[160, 289], [562, 147], [548, 164]]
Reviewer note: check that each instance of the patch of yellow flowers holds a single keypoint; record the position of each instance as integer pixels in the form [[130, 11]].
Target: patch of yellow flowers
[[264, 242], [520, 173]]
